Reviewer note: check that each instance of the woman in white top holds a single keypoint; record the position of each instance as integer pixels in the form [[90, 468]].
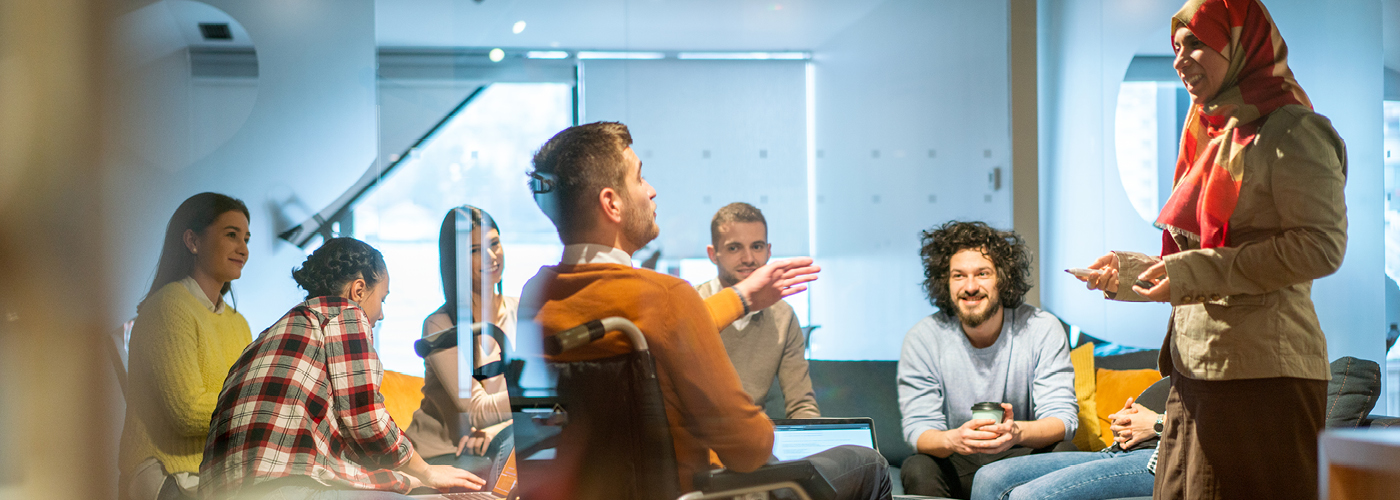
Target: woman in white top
[[447, 429]]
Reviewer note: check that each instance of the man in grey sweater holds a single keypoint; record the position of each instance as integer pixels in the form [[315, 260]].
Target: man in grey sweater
[[767, 343], [983, 345]]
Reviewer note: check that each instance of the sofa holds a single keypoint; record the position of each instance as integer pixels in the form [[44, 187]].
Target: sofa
[[867, 389]]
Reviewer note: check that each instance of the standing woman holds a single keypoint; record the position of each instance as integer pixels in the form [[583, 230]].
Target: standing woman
[[1255, 215], [447, 429], [182, 345]]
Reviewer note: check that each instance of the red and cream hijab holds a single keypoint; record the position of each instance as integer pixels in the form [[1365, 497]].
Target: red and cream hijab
[[1217, 133]]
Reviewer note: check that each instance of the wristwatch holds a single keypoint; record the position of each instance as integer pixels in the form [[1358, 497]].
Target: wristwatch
[[1157, 427]]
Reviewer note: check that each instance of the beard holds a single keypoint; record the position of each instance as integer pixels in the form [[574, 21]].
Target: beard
[[638, 226], [729, 279], [975, 319]]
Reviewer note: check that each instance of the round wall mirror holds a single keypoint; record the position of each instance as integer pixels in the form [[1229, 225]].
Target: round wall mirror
[[190, 81], [1152, 105]]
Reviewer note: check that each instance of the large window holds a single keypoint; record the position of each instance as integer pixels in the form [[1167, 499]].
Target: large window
[[479, 157]]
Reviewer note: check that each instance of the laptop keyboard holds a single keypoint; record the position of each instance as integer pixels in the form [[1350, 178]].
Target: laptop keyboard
[[475, 495]]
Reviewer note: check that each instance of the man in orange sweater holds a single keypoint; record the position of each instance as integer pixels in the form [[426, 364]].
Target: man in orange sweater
[[604, 212]]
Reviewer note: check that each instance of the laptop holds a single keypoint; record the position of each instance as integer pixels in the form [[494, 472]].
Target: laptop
[[796, 438], [501, 482]]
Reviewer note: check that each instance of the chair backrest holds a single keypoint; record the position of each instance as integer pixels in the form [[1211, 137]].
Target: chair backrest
[[617, 431], [116, 347]]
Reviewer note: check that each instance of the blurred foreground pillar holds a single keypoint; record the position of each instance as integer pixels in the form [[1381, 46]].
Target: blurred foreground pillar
[[58, 401]]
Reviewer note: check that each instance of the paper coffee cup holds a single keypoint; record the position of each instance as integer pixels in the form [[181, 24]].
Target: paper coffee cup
[[988, 410]]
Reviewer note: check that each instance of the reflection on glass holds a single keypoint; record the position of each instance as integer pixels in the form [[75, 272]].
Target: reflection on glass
[[478, 158]]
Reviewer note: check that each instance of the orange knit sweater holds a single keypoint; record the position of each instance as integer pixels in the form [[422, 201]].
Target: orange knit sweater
[[705, 402]]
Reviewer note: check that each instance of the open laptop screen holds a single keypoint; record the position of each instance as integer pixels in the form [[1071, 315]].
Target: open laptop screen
[[797, 438]]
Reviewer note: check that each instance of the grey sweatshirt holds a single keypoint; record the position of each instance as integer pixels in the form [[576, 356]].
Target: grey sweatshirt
[[769, 344], [941, 375]]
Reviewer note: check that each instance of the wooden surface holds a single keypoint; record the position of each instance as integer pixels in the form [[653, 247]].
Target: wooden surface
[[1361, 464]]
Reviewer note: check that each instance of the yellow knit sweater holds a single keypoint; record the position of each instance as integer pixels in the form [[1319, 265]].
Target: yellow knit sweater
[[180, 352]]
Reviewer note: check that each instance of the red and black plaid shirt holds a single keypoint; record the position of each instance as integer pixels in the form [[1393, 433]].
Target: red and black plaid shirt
[[303, 400]]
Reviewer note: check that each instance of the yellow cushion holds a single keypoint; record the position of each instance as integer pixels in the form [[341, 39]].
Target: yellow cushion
[[1087, 437], [1114, 389], [402, 395]]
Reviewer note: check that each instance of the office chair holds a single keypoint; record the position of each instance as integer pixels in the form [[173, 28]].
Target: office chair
[[617, 402]]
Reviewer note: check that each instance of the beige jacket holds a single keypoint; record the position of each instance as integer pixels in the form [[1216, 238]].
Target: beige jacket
[[443, 418], [1245, 311]]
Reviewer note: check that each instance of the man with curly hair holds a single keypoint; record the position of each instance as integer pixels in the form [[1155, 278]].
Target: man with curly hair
[[984, 344]]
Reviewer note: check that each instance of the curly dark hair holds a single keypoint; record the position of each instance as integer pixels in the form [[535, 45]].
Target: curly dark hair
[[1006, 250], [337, 262]]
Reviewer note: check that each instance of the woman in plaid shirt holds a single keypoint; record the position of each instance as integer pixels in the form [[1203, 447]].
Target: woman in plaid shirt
[[300, 414]]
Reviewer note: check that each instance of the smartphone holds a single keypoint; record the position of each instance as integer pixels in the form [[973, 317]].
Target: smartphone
[[1083, 273]]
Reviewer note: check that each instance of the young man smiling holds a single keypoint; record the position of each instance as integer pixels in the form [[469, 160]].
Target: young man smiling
[[983, 345], [767, 343]]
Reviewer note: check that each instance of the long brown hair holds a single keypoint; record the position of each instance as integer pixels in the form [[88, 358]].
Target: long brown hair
[[447, 253], [196, 214]]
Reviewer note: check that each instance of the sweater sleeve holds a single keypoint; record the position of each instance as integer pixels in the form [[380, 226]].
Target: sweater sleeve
[[355, 375], [167, 339], [725, 308], [722, 416], [921, 390], [793, 375], [1308, 178], [1052, 392]]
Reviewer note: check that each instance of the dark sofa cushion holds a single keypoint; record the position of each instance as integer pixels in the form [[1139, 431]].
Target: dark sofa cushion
[[1137, 360], [1352, 392], [863, 389]]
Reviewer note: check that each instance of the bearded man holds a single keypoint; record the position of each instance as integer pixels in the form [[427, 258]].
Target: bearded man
[[982, 345]]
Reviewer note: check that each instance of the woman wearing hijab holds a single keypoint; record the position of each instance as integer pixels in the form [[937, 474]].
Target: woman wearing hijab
[[1255, 215]]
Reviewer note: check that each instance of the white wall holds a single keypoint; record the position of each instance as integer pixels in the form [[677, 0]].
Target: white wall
[[310, 133], [710, 133], [1335, 52], [909, 78]]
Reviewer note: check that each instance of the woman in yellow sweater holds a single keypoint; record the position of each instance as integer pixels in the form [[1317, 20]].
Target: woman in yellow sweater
[[182, 345]]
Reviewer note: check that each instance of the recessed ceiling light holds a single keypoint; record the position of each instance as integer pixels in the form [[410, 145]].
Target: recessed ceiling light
[[594, 54], [519, 26], [496, 55], [547, 54]]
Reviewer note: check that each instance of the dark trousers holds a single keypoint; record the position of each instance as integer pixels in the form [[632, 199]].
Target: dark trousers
[[951, 477], [857, 473], [1240, 439]]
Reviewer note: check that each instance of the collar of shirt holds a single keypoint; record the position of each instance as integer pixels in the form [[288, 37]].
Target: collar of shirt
[[742, 323], [193, 287], [591, 253]]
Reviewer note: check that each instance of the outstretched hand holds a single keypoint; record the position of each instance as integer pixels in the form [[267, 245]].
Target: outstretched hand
[[1105, 275], [771, 283]]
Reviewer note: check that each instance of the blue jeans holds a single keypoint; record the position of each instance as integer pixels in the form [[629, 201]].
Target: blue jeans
[[1084, 475]]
